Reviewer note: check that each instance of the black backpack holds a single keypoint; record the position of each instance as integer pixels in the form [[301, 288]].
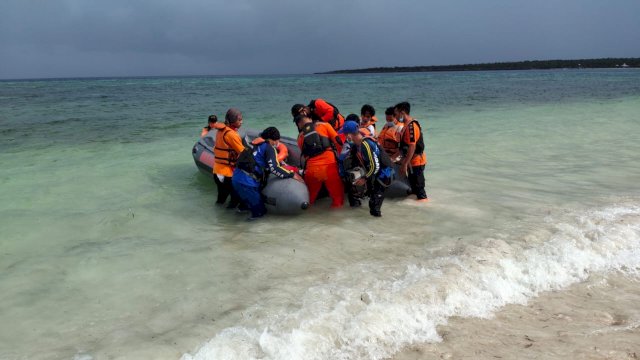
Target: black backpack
[[404, 147], [246, 162], [313, 144]]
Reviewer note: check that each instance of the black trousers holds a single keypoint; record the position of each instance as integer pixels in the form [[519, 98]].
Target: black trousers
[[376, 196], [225, 189], [416, 181]]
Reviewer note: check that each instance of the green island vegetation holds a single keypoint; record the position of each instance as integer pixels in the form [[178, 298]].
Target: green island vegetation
[[618, 63]]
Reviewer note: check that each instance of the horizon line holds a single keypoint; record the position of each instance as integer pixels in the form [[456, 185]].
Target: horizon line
[[329, 72]]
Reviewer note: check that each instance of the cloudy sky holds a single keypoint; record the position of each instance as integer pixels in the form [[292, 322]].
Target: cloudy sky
[[69, 38]]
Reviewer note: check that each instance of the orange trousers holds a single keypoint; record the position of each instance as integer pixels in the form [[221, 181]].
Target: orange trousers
[[316, 175]]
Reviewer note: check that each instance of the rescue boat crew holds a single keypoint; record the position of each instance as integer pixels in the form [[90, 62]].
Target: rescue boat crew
[[254, 166], [211, 122], [368, 119], [324, 111], [300, 109], [345, 159], [319, 143], [377, 169], [412, 149], [228, 146], [389, 137]]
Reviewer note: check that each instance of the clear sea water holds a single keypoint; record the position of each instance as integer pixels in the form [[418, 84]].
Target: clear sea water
[[111, 245]]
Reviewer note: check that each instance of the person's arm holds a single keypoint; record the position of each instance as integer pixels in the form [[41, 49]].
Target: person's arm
[[334, 137], [303, 159], [235, 142], [397, 154], [274, 166]]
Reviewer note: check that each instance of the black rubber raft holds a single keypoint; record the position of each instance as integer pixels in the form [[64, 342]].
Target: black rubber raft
[[282, 196]]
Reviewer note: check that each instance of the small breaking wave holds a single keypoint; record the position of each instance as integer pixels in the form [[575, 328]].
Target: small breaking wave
[[371, 313]]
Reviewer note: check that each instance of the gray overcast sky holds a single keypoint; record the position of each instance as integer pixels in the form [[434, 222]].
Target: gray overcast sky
[[67, 38]]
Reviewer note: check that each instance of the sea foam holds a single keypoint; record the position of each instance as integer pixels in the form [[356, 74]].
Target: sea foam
[[370, 313]]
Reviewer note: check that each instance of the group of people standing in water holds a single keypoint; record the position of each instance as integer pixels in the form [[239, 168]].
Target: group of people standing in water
[[336, 152]]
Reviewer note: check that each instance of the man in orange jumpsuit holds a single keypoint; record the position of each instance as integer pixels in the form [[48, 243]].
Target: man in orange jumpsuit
[[318, 142]]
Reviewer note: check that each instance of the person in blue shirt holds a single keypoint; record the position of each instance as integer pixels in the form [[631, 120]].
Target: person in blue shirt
[[254, 166], [376, 169]]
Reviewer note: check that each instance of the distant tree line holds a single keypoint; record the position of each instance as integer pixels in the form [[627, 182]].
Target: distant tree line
[[518, 65]]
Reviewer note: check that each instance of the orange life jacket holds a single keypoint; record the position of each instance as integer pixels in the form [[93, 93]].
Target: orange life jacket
[[223, 152], [365, 132], [207, 129], [389, 139], [283, 152], [404, 145]]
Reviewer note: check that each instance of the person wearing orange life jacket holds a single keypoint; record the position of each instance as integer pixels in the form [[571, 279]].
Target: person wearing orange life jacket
[[210, 125], [412, 148], [318, 143], [368, 119], [304, 110], [324, 111], [389, 137], [375, 168], [228, 146], [355, 118]]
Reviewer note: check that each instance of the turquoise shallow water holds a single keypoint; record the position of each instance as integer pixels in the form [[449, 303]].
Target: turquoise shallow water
[[110, 245]]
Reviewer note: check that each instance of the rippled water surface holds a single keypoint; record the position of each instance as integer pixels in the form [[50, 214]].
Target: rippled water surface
[[111, 246]]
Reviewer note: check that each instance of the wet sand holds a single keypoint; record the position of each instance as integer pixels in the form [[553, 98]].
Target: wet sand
[[599, 319]]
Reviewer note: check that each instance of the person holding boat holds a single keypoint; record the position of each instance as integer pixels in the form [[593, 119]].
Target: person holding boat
[[228, 146], [374, 169], [412, 149], [325, 111], [253, 167], [212, 121], [319, 144], [389, 137]]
